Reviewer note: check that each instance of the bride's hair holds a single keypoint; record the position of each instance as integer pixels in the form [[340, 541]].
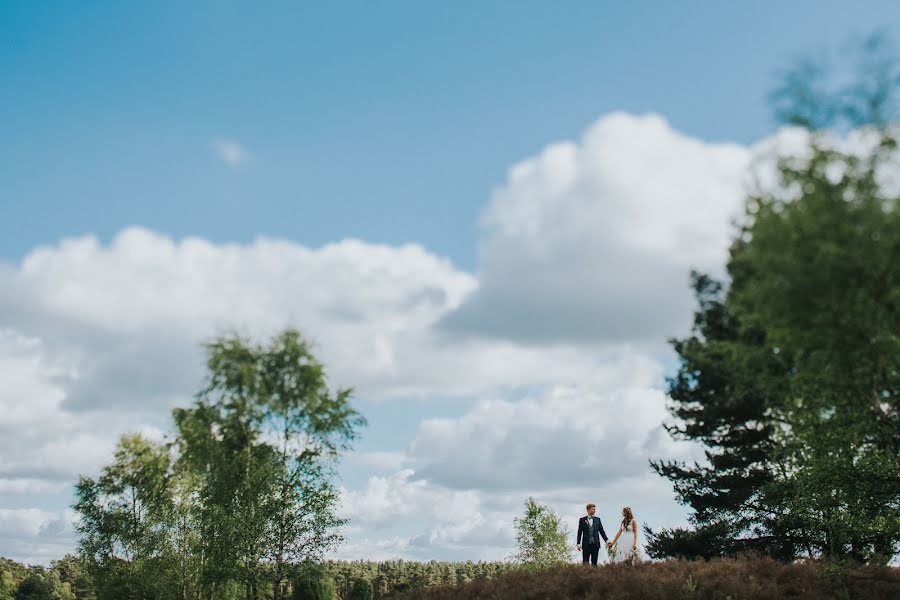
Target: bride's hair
[[628, 516]]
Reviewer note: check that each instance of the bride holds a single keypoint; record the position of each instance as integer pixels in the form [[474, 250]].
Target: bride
[[628, 550]]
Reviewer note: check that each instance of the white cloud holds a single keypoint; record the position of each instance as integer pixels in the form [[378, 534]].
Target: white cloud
[[230, 152], [36, 536], [434, 522], [593, 240], [598, 432], [380, 461], [119, 316], [41, 444], [102, 340], [466, 478], [582, 275]]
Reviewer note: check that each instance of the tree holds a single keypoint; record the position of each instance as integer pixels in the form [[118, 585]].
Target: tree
[[123, 525], [73, 572], [361, 590], [541, 538], [240, 492], [722, 395], [790, 378], [260, 439], [34, 587], [820, 272]]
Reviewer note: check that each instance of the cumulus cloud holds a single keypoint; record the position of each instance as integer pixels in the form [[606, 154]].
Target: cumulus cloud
[[555, 342], [42, 444], [465, 478], [121, 315], [36, 536], [101, 339], [230, 152], [434, 522], [593, 240], [565, 436]]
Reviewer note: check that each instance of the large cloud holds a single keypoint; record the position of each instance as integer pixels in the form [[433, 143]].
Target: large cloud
[[42, 445], [594, 240], [598, 432], [127, 319], [586, 249], [100, 340], [36, 536], [464, 479]]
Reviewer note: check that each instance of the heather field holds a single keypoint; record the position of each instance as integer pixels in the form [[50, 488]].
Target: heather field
[[746, 578]]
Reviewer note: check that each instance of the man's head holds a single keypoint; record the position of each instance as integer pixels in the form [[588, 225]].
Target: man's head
[[591, 509]]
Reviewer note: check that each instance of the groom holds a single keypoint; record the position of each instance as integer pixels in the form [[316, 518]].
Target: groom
[[589, 531]]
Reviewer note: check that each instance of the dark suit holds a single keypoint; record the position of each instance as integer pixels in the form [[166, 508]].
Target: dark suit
[[589, 538]]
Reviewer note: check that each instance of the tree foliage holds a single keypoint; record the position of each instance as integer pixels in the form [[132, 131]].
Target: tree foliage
[[791, 376], [542, 539], [240, 492]]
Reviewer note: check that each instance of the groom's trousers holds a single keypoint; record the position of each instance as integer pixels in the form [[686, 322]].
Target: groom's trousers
[[589, 552]]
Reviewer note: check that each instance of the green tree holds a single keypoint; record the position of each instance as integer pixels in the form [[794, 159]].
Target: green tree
[[41, 584], [73, 572], [123, 527], [241, 492], [790, 378], [36, 586], [361, 590], [820, 271], [7, 585], [541, 537], [260, 439], [725, 388]]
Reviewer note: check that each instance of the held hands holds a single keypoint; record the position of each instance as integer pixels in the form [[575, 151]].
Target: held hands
[[609, 544]]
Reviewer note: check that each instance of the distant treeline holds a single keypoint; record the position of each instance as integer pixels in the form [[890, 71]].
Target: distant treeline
[[69, 579]]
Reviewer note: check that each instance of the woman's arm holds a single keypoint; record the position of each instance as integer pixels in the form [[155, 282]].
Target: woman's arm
[[634, 525], [618, 533]]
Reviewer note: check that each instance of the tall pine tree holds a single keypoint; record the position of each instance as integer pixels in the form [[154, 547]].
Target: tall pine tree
[[791, 377]]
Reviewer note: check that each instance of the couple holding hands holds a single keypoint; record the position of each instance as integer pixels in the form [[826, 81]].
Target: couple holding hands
[[590, 530]]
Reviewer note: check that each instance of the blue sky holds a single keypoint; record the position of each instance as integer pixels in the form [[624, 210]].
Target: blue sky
[[390, 122], [483, 212]]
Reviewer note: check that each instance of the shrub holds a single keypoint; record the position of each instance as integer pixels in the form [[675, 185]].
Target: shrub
[[361, 590], [312, 585]]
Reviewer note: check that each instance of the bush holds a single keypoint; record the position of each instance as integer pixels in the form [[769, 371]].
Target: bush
[[361, 590], [34, 587], [313, 585]]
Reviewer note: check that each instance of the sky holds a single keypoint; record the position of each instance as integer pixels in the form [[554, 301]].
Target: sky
[[483, 213]]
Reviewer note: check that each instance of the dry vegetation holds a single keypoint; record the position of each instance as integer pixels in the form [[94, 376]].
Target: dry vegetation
[[745, 578]]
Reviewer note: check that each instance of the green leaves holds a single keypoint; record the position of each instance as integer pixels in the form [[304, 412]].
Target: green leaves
[[240, 492], [541, 538], [791, 377]]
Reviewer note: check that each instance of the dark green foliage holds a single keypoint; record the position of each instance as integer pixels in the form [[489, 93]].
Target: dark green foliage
[[34, 587], [722, 393], [391, 577], [18, 582], [747, 578], [790, 378], [361, 590], [73, 572], [313, 586]]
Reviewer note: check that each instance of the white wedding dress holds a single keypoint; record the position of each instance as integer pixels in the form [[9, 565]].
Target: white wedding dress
[[624, 553]]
